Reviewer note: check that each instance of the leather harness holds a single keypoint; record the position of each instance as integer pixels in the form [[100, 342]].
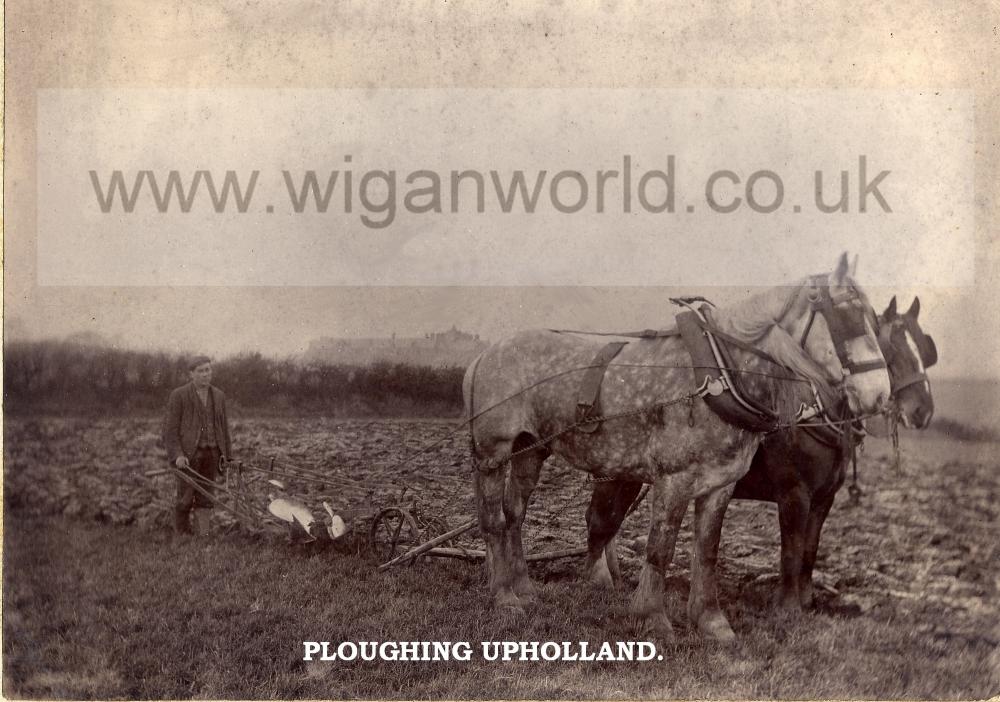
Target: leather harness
[[590, 388], [711, 362], [823, 303], [926, 349]]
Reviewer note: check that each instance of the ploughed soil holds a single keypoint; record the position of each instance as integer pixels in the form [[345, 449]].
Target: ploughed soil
[[926, 535], [921, 546]]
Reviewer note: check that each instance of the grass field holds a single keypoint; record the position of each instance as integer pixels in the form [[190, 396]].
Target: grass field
[[97, 608], [109, 612]]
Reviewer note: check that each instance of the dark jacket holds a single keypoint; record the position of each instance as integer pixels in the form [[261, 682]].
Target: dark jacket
[[182, 425]]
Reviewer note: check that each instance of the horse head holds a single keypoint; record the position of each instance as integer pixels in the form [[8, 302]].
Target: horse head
[[830, 318], [908, 352]]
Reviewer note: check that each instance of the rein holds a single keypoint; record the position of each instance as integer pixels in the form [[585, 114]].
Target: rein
[[705, 325], [644, 334]]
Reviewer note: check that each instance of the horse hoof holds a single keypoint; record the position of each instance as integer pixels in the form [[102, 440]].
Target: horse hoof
[[599, 575], [786, 603], [658, 626], [601, 579], [716, 627], [509, 603], [789, 607], [526, 592], [527, 599], [806, 599], [512, 612]]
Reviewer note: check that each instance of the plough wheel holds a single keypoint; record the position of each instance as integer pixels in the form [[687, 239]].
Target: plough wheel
[[393, 531]]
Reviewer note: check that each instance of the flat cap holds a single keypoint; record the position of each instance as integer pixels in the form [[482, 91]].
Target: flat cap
[[198, 361]]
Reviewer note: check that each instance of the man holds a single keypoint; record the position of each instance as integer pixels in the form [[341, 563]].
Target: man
[[196, 434]]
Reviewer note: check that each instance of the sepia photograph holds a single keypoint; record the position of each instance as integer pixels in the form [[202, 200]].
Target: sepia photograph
[[528, 350]]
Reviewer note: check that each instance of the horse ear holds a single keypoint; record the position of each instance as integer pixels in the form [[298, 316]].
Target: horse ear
[[840, 274], [914, 308], [890, 311], [854, 266]]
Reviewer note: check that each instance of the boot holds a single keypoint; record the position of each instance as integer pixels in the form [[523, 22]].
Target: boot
[[201, 520]]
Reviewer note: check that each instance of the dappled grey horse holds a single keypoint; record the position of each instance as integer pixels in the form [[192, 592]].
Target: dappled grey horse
[[520, 395], [800, 468]]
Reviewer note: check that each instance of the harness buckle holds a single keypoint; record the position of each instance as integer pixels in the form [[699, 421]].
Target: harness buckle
[[712, 386], [806, 412]]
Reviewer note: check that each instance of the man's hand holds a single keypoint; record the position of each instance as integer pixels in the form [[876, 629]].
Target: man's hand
[[182, 462]]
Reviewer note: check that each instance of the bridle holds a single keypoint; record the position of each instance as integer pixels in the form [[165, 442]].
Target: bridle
[[822, 303], [926, 349], [842, 331]]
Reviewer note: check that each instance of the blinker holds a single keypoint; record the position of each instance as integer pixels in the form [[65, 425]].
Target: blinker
[[928, 350], [925, 344], [843, 326]]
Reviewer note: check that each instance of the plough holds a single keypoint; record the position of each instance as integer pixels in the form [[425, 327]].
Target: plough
[[257, 494]]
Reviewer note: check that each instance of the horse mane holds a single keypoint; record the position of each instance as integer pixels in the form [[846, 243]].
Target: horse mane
[[755, 321]]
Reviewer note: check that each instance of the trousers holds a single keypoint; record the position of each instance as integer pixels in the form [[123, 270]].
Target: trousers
[[204, 470]]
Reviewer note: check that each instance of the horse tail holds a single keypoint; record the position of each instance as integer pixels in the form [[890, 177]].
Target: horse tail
[[469, 394]]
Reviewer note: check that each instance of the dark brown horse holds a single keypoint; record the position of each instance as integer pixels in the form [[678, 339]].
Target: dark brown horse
[[520, 398], [800, 470]]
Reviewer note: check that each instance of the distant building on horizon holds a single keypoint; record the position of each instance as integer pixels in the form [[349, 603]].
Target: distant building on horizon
[[448, 348]]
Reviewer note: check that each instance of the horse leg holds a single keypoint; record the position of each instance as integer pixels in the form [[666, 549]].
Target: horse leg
[[611, 561], [817, 516], [793, 515], [704, 611], [524, 472], [490, 479], [609, 504], [671, 495]]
